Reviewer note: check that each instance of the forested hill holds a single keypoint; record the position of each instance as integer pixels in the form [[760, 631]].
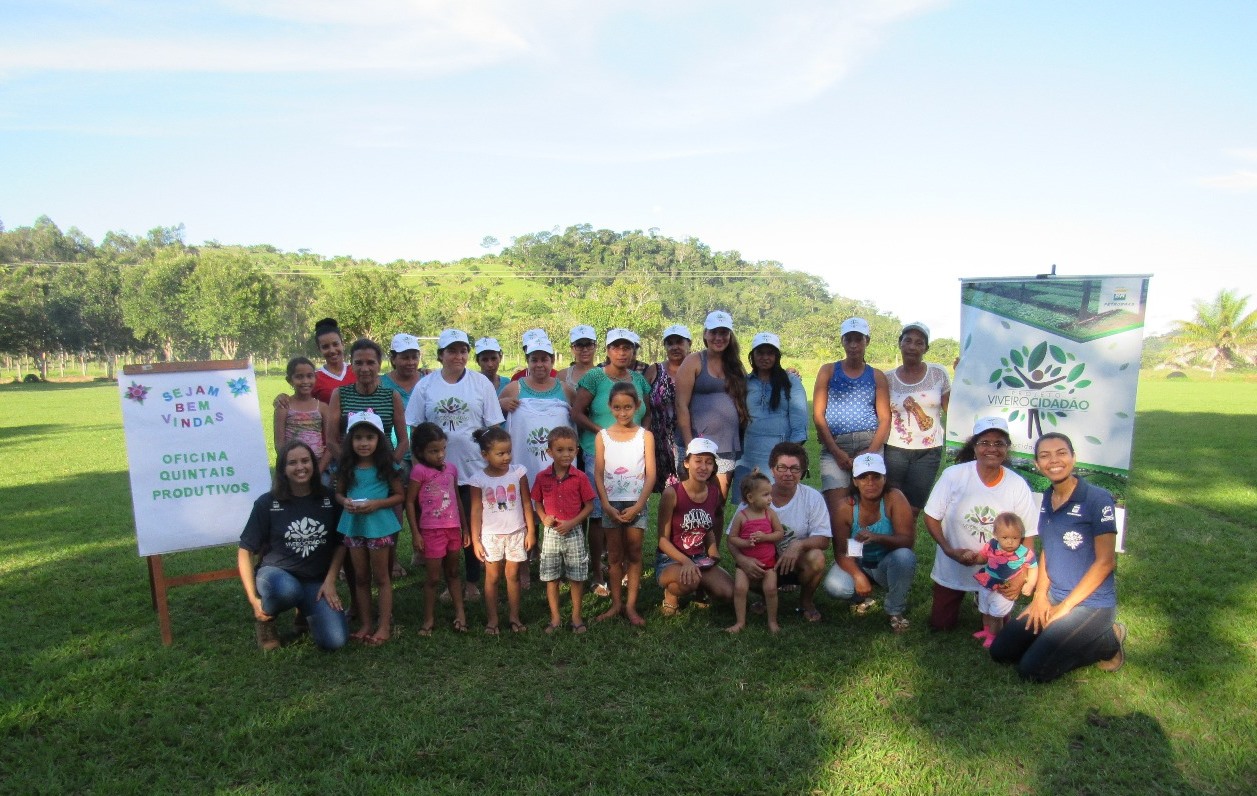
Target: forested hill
[[156, 295]]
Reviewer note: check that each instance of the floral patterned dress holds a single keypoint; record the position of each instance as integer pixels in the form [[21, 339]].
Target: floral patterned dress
[[663, 424]]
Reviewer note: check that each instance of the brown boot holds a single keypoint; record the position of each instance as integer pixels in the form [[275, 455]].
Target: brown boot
[[267, 635]]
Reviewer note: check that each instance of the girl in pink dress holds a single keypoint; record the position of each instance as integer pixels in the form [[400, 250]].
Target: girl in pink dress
[[755, 531]]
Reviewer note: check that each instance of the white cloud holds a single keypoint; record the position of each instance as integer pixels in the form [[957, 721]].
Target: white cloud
[[1238, 181]]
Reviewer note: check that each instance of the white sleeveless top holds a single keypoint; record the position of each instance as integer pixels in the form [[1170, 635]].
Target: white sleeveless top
[[624, 466]]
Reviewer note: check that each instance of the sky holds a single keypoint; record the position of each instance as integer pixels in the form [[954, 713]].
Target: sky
[[891, 147]]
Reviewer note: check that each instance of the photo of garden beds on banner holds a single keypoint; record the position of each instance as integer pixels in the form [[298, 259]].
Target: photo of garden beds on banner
[[1054, 354]]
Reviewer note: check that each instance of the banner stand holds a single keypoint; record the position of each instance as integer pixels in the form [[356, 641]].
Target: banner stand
[[159, 584]]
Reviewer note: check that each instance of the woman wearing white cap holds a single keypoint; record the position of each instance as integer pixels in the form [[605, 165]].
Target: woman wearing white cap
[[961, 512], [460, 401], [403, 357], [777, 405], [538, 402], [919, 392], [851, 408], [488, 358], [880, 523], [663, 404], [584, 345], [592, 413], [711, 395]]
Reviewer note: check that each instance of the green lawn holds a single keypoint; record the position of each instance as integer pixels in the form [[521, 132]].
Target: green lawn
[[93, 702]]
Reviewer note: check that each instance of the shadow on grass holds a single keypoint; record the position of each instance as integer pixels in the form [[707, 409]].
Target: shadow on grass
[[1126, 753]]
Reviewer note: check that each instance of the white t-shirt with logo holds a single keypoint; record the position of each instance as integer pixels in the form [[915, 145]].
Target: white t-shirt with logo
[[459, 409], [967, 508]]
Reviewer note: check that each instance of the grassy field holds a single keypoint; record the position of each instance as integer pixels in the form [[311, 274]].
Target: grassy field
[[92, 702]]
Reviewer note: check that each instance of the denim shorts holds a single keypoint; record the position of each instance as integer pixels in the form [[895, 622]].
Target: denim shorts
[[833, 476], [638, 522]]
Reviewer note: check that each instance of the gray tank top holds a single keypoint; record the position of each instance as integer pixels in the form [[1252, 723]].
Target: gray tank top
[[712, 412]]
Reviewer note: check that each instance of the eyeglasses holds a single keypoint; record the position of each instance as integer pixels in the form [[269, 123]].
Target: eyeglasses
[[992, 443], [583, 344], [791, 469]]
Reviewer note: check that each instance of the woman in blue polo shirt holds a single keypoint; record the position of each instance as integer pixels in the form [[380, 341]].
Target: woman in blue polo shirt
[[1070, 622]]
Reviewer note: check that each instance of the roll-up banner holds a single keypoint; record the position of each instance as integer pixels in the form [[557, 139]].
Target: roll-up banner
[[1053, 353]]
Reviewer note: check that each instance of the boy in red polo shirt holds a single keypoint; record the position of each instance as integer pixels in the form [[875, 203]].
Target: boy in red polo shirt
[[562, 498]]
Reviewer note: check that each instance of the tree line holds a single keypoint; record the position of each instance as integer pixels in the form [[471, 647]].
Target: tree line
[[155, 297]]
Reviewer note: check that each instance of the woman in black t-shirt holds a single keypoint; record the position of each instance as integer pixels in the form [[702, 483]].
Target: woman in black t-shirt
[[293, 529]]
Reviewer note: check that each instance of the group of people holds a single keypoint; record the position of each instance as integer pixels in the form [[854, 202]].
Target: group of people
[[489, 472]]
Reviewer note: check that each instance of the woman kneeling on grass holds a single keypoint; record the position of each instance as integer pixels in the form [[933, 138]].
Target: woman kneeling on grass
[[690, 512], [293, 529], [1070, 622]]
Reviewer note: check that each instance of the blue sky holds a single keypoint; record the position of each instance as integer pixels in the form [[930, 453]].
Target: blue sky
[[891, 147]]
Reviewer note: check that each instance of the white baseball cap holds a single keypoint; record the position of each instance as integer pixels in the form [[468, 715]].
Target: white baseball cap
[[632, 335], [532, 335], [484, 344], [854, 325], [983, 424], [403, 342], [538, 344], [450, 336], [617, 334], [702, 445], [868, 463], [678, 330], [766, 338], [582, 332], [718, 319], [368, 417], [920, 327]]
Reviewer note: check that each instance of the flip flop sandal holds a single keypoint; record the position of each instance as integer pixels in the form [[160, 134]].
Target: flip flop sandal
[[425, 631], [899, 623], [864, 606], [490, 630], [550, 628], [518, 627], [579, 629], [459, 626]]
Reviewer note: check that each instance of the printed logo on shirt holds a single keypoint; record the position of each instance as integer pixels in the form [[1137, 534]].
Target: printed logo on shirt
[[450, 413], [1072, 540], [305, 535], [1075, 510], [979, 522], [1106, 514], [694, 526]]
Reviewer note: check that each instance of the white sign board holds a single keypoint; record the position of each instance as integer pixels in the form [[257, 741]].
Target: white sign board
[[196, 450]]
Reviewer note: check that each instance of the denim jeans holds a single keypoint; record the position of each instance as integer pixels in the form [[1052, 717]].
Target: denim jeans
[[281, 591], [1080, 638], [894, 573]]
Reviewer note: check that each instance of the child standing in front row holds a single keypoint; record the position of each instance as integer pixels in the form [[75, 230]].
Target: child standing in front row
[[563, 498], [755, 531], [368, 487], [501, 523], [304, 417], [437, 529], [624, 474], [1004, 555]]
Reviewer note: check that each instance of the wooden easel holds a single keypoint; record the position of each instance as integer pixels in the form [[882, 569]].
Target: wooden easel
[[158, 585]]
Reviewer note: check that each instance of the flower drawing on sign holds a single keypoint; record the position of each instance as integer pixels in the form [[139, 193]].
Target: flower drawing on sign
[[238, 386], [980, 521], [305, 535], [1048, 370], [450, 413], [137, 392]]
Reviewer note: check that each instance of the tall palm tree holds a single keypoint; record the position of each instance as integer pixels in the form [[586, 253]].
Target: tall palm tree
[[1221, 333]]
